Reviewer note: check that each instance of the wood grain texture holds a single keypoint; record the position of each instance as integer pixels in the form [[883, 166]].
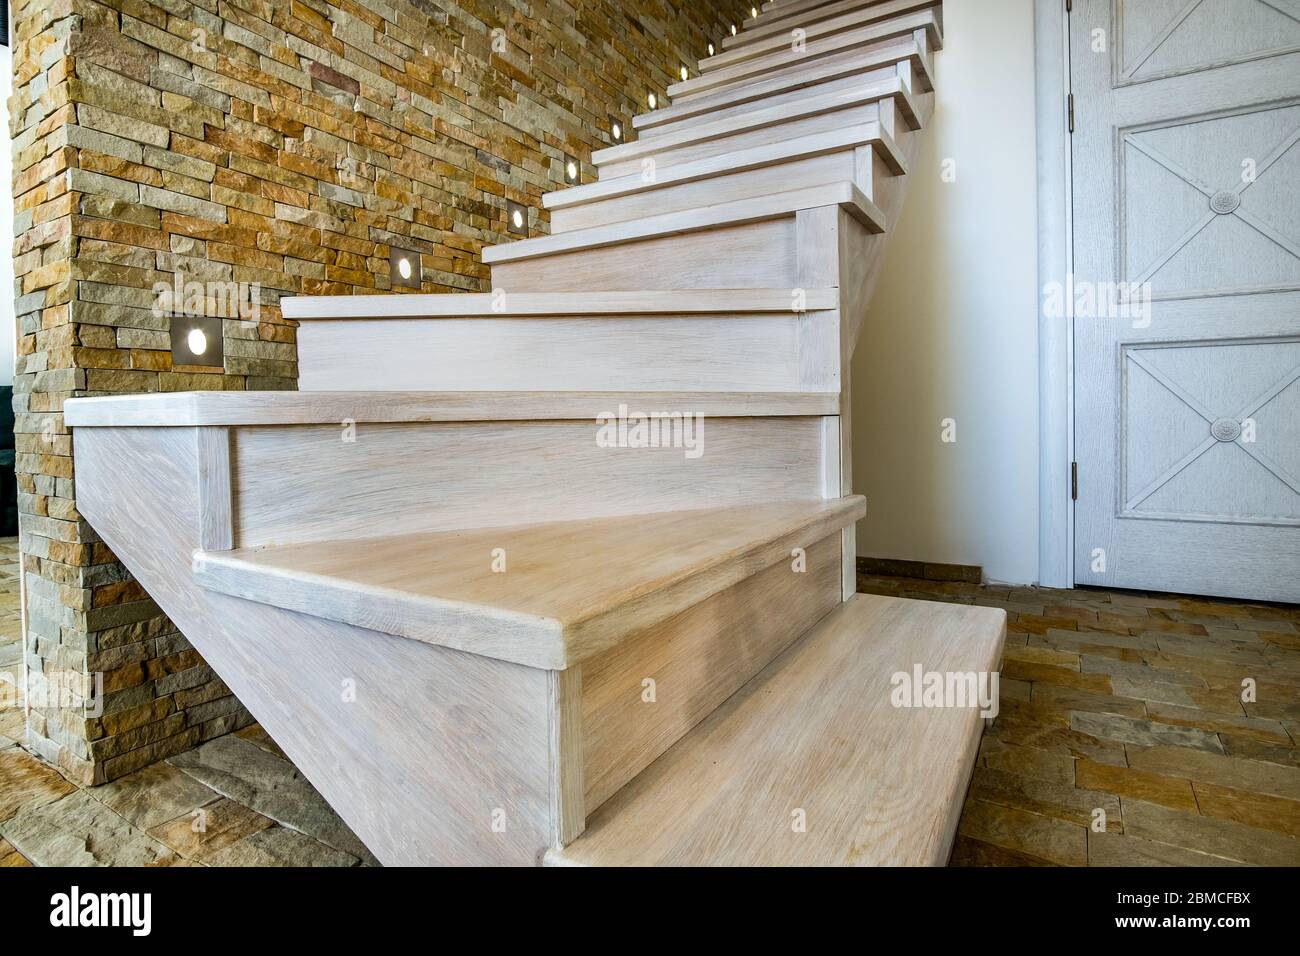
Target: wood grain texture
[[216, 519], [551, 304], [791, 82], [384, 758], [568, 806], [544, 595], [485, 474], [696, 660], [760, 352], [815, 732], [696, 219], [188, 409]]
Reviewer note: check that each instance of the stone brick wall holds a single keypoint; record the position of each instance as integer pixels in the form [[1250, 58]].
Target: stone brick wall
[[283, 144]]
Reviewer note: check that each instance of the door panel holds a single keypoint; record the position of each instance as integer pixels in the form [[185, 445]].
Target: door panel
[[1187, 185]]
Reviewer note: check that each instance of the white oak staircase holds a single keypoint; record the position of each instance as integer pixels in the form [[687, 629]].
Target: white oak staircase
[[564, 573]]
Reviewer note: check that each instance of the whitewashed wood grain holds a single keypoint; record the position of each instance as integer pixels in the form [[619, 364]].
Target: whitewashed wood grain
[[815, 732], [570, 589]]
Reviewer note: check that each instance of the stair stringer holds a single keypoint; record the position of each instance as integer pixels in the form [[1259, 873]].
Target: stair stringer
[[436, 740]]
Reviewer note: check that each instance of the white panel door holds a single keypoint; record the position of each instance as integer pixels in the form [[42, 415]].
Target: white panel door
[[1186, 160]]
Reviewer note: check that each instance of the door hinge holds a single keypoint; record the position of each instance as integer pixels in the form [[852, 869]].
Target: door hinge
[[1074, 481], [1069, 107]]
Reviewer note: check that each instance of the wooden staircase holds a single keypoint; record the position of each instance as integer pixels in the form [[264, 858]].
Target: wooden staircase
[[564, 573]]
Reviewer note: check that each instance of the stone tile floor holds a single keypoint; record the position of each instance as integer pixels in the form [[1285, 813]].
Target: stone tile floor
[[1117, 702], [1132, 705]]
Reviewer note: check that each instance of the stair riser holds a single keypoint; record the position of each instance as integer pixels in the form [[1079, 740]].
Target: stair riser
[[814, 171], [696, 660], [306, 483], [781, 39], [755, 352], [807, 126], [749, 256], [793, 97], [861, 40]]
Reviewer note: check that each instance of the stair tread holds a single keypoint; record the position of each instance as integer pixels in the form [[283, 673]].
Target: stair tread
[[194, 409], [465, 305], [570, 588], [796, 77], [776, 21], [861, 38], [738, 161], [814, 29], [815, 730], [693, 220]]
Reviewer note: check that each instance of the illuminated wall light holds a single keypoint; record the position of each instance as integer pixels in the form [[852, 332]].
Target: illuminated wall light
[[404, 268], [753, 13], [712, 49], [685, 74], [615, 128], [653, 101], [196, 341], [516, 218], [572, 171], [733, 29]]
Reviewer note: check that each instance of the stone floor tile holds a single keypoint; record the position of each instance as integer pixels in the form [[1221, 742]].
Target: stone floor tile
[[1027, 761], [1011, 689], [280, 846], [1258, 727], [1227, 771], [254, 733], [26, 782], [970, 852], [1144, 733], [1066, 699], [1051, 674], [1236, 746], [1040, 624], [1114, 849], [1254, 809], [1089, 664], [1044, 837], [207, 830], [1060, 740], [1173, 792], [272, 786], [11, 857], [1061, 801], [154, 795], [1225, 838], [80, 831], [1042, 655]]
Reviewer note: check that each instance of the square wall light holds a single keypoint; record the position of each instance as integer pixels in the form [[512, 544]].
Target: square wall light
[[572, 171], [404, 268], [616, 131], [516, 218], [196, 341]]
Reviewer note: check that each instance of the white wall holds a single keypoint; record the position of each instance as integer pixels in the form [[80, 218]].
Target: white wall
[[951, 332], [8, 332]]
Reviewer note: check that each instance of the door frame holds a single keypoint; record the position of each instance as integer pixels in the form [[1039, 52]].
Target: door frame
[[1055, 265]]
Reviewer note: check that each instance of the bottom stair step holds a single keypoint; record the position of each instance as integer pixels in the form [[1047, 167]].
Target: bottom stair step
[[811, 763]]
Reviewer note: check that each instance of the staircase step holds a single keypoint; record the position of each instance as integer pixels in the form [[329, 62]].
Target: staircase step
[[778, 36], [465, 305], [775, 206], [816, 731], [876, 35], [570, 589], [792, 15], [197, 409], [787, 84], [773, 119], [726, 340], [805, 162]]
